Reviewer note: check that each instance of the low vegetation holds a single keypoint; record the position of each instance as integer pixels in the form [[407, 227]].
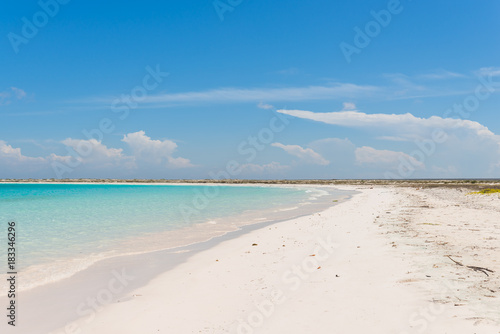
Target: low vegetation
[[486, 191]]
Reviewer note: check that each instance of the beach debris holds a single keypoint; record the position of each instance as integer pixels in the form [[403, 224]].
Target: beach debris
[[313, 255], [481, 269], [319, 267], [254, 245]]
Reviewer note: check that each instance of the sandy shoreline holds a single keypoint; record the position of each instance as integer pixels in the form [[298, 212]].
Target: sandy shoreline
[[375, 263]]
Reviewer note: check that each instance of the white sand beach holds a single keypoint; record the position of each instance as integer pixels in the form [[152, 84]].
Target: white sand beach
[[376, 263]]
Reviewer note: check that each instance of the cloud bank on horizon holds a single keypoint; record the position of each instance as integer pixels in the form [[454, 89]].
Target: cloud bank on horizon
[[427, 138], [90, 157]]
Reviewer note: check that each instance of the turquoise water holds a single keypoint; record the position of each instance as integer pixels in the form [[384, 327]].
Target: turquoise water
[[70, 226]]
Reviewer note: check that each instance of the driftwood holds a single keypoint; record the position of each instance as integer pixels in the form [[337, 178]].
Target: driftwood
[[481, 269]]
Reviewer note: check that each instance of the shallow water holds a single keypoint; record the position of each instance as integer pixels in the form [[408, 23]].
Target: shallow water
[[64, 228]]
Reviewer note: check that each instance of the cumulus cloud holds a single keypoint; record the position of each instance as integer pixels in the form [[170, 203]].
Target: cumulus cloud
[[13, 156], [384, 158], [66, 159], [308, 155], [155, 151], [179, 162], [92, 158], [96, 153]]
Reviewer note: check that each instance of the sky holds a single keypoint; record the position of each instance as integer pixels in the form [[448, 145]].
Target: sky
[[250, 89]]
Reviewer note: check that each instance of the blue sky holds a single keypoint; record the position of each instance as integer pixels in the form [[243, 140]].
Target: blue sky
[[249, 89]]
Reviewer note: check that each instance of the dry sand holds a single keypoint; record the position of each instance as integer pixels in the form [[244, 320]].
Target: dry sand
[[374, 264]]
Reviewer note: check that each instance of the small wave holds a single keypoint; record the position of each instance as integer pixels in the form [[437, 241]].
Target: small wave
[[287, 209]]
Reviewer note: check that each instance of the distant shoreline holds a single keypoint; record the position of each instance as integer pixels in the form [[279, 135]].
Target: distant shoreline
[[467, 183]]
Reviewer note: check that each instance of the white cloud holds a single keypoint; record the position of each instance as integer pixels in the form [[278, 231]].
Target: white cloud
[[18, 92], [461, 142], [242, 95], [13, 156], [393, 138], [179, 162], [348, 106], [266, 94], [440, 75], [384, 158], [154, 151], [13, 92], [406, 123], [266, 106], [306, 154], [67, 159], [93, 152], [488, 71], [92, 157]]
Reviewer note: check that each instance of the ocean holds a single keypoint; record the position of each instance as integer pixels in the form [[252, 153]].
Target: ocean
[[64, 228]]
